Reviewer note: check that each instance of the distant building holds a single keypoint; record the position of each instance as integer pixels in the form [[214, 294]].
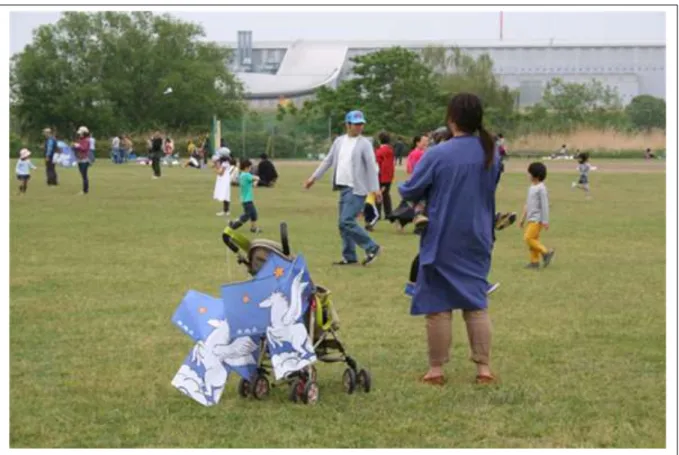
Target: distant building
[[296, 70]]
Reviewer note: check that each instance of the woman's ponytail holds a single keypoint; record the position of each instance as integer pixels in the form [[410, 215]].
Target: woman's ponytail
[[488, 146]]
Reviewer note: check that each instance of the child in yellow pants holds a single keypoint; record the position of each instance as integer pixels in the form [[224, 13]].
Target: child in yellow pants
[[536, 216]]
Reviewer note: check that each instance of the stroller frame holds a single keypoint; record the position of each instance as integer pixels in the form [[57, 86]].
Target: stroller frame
[[322, 323]]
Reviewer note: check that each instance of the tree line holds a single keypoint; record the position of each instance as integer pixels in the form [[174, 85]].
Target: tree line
[[406, 92], [111, 71]]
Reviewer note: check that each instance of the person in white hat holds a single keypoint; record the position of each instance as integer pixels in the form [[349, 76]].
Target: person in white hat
[[23, 169]]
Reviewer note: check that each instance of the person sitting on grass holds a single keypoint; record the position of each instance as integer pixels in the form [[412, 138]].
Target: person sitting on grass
[[266, 171], [195, 156]]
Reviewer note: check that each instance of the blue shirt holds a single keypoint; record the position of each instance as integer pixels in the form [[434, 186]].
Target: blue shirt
[[455, 251], [245, 181], [24, 167], [50, 146]]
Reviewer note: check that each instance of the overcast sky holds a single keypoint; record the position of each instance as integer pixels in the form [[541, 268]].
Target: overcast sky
[[599, 27]]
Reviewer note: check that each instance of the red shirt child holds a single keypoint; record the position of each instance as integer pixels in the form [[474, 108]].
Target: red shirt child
[[385, 161]]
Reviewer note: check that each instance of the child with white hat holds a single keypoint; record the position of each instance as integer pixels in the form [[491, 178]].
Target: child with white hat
[[23, 169]]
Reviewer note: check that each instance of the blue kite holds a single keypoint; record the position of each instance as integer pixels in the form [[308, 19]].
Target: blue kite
[[230, 332]]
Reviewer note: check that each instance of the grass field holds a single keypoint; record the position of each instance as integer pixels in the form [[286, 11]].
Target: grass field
[[579, 347]]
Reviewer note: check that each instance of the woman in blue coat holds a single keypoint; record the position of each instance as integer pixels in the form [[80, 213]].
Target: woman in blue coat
[[457, 178]]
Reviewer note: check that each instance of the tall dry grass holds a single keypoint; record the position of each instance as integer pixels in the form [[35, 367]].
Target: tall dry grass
[[589, 139]]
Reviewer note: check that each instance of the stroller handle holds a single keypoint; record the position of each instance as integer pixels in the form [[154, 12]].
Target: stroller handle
[[285, 242]]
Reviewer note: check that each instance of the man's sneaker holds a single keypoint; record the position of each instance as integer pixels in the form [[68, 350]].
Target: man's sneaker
[[370, 257], [345, 262], [533, 266], [255, 230], [220, 213], [547, 258], [492, 288]]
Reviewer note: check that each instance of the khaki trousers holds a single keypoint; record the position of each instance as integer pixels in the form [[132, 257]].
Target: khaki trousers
[[439, 336]]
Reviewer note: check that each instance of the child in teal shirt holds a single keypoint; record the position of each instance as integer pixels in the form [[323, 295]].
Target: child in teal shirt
[[246, 182]]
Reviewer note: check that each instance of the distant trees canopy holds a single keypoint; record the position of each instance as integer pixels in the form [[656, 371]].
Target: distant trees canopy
[[108, 70], [646, 112]]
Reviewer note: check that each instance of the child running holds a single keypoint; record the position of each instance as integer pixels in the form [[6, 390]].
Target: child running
[[246, 182], [583, 167], [536, 214], [370, 212], [23, 170], [222, 192]]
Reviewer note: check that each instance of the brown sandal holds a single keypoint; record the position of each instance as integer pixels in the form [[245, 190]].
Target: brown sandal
[[435, 380], [483, 379]]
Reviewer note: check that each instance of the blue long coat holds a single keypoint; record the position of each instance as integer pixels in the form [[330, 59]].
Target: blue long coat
[[455, 251]]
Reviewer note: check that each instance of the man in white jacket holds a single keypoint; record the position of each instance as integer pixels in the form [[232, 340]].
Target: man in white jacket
[[354, 175]]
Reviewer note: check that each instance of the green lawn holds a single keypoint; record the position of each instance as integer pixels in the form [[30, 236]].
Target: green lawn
[[579, 347]]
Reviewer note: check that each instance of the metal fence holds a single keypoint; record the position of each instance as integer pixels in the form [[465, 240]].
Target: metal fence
[[287, 138]]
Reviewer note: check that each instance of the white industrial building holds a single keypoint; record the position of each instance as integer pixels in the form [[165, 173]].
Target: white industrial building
[[295, 70]]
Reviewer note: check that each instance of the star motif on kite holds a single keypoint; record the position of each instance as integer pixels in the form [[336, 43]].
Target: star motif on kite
[[246, 299], [202, 310], [278, 272]]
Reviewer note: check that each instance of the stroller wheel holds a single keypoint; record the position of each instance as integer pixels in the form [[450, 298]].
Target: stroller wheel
[[244, 388], [364, 380], [261, 387], [296, 390], [349, 381], [311, 393]]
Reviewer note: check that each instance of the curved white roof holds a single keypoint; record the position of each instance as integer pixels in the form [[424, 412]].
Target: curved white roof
[[306, 67], [357, 44], [309, 65]]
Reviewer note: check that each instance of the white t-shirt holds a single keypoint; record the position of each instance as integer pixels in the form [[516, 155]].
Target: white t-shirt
[[116, 142], [345, 175]]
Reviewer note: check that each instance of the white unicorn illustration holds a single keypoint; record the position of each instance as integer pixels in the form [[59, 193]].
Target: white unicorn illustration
[[214, 354], [284, 326]]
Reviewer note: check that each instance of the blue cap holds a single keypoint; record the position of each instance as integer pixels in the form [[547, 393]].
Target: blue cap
[[354, 117]]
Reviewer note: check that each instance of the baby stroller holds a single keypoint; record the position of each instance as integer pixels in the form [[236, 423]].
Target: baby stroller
[[321, 321]]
